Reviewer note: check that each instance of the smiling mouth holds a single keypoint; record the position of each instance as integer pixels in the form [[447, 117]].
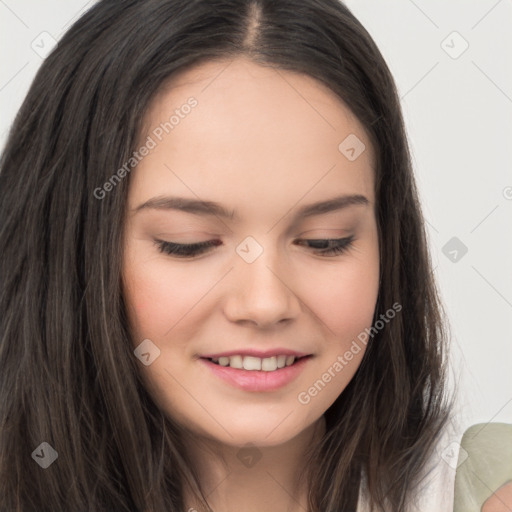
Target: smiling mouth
[[251, 363]]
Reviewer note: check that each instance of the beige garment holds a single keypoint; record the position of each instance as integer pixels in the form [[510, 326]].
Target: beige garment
[[485, 467]]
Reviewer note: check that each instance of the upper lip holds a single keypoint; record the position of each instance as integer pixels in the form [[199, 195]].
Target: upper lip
[[262, 354]]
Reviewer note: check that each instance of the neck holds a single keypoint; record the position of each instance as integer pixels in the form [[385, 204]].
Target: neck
[[251, 479]]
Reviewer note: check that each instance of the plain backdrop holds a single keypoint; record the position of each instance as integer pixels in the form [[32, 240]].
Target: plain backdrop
[[451, 62]]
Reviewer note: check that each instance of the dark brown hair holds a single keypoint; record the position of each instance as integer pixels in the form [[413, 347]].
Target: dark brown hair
[[68, 375]]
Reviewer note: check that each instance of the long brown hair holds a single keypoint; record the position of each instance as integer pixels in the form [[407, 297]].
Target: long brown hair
[[68, 375]]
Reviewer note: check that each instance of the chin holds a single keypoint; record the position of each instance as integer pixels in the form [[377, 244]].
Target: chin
[[263, 433]]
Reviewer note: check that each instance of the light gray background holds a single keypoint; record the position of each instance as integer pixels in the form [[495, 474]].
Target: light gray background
[[458, 110]]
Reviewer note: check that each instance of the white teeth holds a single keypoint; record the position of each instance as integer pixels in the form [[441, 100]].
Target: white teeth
[[236, 362], [267, 364], [281, 361], [252, 363]]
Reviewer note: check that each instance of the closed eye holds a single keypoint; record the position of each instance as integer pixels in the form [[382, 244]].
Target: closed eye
[[323, 246], [330, 246]]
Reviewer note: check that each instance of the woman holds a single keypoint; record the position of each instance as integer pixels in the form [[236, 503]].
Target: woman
[[217, 290]]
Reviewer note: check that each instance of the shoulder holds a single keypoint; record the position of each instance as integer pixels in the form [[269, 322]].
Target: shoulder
[[467, 472], [471, 472], [484, 469]]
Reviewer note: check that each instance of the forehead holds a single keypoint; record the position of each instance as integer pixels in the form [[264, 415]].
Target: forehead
[[254, 130]]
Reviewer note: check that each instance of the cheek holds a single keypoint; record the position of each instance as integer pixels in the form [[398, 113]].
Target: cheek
[[346, 305], [352, 306], [345, 298], [158, 298]]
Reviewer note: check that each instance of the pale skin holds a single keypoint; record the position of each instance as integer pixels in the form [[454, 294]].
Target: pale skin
[[262, 143], [499, 501]]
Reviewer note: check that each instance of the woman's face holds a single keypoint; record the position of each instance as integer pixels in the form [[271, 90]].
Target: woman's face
[[263, 147]]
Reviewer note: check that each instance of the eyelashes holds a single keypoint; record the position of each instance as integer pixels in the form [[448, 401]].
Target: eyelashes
[[322, 246], [330, 246], [185, 250]]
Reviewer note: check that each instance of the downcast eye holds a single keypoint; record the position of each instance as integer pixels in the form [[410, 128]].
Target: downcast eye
[[327, 246]]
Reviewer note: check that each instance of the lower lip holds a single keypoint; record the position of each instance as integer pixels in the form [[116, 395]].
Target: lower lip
[[257, 380]]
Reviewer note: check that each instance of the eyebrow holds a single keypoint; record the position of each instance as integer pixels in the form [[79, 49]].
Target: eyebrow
[[211, 208]]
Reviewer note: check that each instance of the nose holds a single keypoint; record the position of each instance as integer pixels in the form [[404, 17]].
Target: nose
[[262, 293]]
